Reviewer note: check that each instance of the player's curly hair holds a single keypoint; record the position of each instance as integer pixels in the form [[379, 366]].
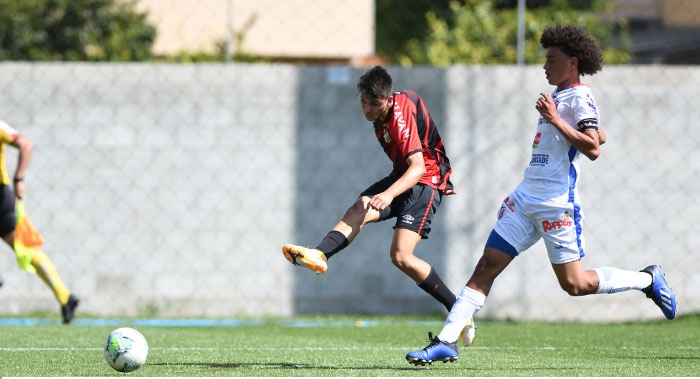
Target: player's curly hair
[[375, 83], [575, 42]]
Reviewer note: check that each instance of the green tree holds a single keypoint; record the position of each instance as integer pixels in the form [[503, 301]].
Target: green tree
[[74, 30], [485, 32], [398, 21]]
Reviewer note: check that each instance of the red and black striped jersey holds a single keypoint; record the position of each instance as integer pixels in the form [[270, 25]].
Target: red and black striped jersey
[[409, 129]]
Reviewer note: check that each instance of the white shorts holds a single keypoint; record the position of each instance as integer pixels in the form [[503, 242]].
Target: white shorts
[[523, 220]]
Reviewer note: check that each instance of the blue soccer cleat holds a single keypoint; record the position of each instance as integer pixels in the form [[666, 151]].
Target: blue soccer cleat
[[436, 351], [660, 291]]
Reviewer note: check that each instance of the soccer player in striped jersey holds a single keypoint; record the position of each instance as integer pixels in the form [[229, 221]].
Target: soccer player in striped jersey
[[545, 205], [411, 193], [37, 260]]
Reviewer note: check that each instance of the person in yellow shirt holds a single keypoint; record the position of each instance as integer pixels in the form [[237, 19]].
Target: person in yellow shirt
[[16, 229]]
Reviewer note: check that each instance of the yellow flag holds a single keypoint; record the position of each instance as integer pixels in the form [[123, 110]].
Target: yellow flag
[[27, 239]]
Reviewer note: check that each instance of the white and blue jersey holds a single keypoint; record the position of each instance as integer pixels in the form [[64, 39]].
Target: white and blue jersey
[[554, 169], [545, 204]]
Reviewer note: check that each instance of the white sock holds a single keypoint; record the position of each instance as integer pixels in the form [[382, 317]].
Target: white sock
[[468, 303], [612, 280]]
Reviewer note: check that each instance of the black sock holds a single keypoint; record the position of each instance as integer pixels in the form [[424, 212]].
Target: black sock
[[436, 288], [332, 243]]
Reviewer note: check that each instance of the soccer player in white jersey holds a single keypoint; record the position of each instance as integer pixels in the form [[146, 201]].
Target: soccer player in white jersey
[[545, 205]]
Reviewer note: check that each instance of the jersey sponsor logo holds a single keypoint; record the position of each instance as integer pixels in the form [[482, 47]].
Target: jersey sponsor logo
[[536, 142], [507, 204], [540, 160], [398, 116], [408, 219], [564, 222]]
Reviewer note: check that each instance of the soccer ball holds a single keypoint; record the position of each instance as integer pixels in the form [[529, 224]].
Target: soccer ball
[[126, 349]]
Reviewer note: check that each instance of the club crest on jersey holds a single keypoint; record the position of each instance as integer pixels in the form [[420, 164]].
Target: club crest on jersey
[[564, 222], [386, 136], [501, 212]]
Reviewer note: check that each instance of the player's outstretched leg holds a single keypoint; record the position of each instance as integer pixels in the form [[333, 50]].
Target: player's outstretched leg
[[660, 291], [68, 310], [436, 351], [468, 333], [312, 259]]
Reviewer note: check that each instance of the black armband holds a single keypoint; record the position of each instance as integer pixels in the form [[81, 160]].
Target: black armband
[[588, 124]]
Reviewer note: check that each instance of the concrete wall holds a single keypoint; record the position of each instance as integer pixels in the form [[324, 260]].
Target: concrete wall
[[168, 190]]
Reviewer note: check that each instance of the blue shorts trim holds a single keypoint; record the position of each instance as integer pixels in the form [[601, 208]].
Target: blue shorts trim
[[497, 242]]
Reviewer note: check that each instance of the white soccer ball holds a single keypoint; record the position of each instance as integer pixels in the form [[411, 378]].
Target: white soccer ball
[[126, 349]]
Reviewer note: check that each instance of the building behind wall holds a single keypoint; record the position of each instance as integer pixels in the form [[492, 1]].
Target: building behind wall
[[662, 31], [333, 31], [343, 32]]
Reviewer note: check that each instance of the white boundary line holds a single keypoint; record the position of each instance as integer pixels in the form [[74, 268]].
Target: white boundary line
[[325, 348]]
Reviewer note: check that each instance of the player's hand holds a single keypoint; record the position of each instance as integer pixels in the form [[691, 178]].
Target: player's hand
[[380, 201], [19, 189], [449, 192], [546, 106]]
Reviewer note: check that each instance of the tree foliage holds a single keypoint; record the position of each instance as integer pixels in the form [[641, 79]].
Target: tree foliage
[[485, 32], [74, 30], [398, 21]]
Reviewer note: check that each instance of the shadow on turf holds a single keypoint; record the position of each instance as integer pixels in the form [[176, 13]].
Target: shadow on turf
[[290, 366], [660, 357], [233, 366]]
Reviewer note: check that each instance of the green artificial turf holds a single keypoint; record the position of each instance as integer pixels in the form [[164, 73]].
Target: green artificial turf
[[360, 346]]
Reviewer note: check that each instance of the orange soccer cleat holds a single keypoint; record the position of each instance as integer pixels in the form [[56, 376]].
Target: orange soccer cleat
[[312, 259]]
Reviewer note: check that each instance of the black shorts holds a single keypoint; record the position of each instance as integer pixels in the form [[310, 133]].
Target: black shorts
[[8, 218], [413, 209]]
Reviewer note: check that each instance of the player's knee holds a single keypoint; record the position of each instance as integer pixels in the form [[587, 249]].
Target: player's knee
[[355, 209], [404, 260], [356, 213], [399, 260], [487, 266]]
